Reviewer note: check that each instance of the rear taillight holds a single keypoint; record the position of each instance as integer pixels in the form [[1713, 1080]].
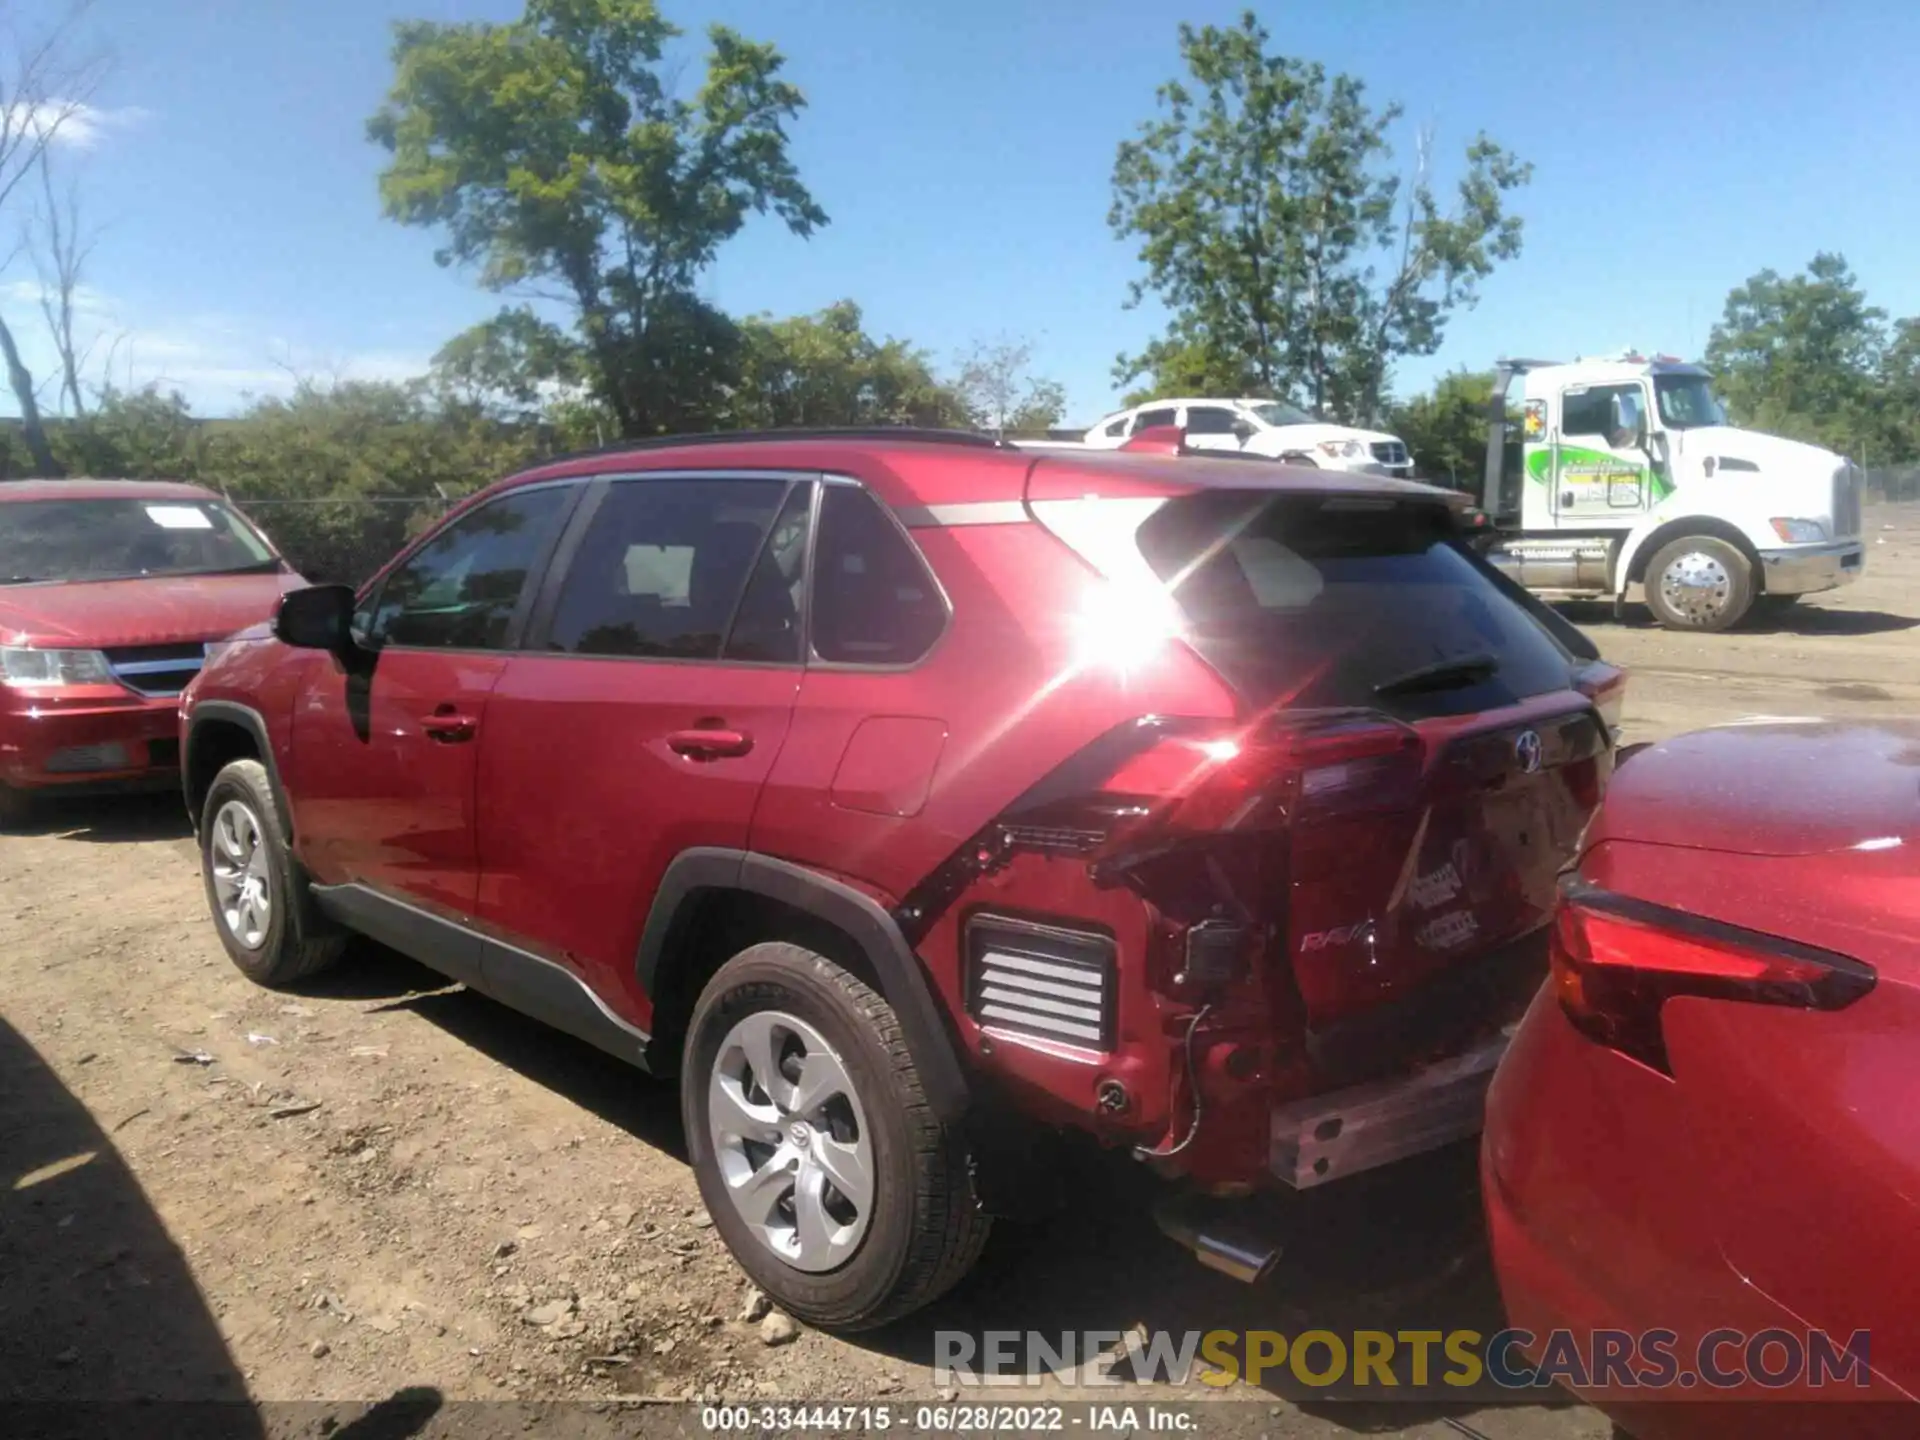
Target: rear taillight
[[1316, 764], [1617, 960]]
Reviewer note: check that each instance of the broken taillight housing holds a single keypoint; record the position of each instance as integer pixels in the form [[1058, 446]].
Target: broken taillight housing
[[1616, 960]]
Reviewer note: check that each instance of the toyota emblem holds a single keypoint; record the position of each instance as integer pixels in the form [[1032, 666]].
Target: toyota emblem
[[1526, 750]]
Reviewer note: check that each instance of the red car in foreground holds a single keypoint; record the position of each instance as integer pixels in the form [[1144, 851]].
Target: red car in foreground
[[909, 795], [1707, 1130], [111, 592]]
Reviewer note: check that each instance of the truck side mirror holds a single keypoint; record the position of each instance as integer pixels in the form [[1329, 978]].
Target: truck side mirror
[[1243, 430], [1627, 424]]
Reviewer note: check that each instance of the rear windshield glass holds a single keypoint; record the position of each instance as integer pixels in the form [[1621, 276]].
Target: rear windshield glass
[[1317, 601], [122, 539]]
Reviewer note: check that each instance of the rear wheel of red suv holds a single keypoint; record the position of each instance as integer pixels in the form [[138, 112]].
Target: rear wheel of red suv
[[261, 905], [819, 1159]]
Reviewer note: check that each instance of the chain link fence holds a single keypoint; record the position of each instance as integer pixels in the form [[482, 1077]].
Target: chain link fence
[[1893, 482]]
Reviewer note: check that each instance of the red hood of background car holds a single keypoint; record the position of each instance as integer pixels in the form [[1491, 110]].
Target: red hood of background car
[[1775, 788], [156, 611]]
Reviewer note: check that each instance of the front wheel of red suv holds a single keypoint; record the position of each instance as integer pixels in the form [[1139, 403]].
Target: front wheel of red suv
[[261, 905], [820, 1161], [16, 806]]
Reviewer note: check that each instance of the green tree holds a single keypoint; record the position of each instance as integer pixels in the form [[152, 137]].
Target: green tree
[[1001, 393], [1287, 259], [552, 155], [342, 476], [824, 369], [1799, 356], [1446, 428], [1899, 385]]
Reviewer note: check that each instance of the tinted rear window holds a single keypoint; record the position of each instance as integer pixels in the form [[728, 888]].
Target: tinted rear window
[[1314, 601]]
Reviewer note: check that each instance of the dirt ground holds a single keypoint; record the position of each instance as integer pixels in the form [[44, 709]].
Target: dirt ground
[[387, 1189]]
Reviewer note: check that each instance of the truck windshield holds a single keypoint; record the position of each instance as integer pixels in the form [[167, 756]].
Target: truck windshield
[[1278, 412], [1687, 401], [119, 539], [1338, 601]]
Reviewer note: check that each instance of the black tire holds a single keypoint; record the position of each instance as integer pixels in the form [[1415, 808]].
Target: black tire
[[925, 1230], [16, 807], [1710, 608], [298, 940]]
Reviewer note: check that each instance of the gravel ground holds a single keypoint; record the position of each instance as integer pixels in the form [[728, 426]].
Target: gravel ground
[[386, 1189]]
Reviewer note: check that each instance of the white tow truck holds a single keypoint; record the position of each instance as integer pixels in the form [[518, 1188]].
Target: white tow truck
[[1617, 474], [1271, 428]]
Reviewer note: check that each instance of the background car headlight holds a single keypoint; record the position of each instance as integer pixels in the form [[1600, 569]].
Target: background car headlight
[[20, 665], [1799, 532], [1342, 449]]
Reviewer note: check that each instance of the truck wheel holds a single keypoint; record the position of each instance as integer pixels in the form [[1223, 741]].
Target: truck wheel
[[816, 1152], [1699, 582], [259, 897]]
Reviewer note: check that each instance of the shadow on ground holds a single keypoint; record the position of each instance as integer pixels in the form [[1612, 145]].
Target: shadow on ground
[[109, 819], [103, 1331], [610, 1088]]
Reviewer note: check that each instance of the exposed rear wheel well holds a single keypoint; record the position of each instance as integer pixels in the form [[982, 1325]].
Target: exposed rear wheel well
[[214, 745], [713, 926], [1693, 525]]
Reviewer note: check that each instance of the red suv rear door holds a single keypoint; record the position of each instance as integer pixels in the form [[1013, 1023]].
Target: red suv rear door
[[643, 715]]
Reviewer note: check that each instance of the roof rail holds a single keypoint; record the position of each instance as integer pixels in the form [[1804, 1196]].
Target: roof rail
[[971, 438]]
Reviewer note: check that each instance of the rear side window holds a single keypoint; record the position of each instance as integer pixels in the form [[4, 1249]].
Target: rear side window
[[1147, 419], [663, 566], [1209, 420], [1317, 601], [874, 603]]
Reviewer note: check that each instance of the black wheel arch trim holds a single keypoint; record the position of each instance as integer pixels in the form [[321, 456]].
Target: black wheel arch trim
[[232, 712], [862, 919]]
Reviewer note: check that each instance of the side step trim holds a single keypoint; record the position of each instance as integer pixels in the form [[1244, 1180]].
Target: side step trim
[[518, 979]]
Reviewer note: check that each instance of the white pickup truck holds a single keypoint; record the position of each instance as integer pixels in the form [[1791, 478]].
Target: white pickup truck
[[1259, 427], [1623, 474]]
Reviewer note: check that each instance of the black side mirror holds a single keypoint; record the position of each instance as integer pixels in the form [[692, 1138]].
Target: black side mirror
[[319, 617], [1243, 430]]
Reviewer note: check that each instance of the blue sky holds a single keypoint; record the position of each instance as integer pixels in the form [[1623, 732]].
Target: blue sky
[[964, 154]]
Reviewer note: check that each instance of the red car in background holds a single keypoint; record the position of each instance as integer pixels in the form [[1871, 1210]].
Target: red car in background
[[1705, 1136], [111, 592]]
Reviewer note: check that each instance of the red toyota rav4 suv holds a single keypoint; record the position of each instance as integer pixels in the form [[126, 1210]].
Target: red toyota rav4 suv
[[110, 593], [894, 788]]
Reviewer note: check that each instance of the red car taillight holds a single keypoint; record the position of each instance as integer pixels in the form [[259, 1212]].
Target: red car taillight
[[1616, 960], [1324, 763]]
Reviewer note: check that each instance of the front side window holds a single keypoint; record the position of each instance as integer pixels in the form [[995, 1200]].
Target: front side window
[[664, 568], [1589, 412], [1116, 427], [874, 602], [116, 539], [460, 590]]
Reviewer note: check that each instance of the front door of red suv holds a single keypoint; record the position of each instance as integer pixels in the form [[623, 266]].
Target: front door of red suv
[[641, 718], [384, 750]]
